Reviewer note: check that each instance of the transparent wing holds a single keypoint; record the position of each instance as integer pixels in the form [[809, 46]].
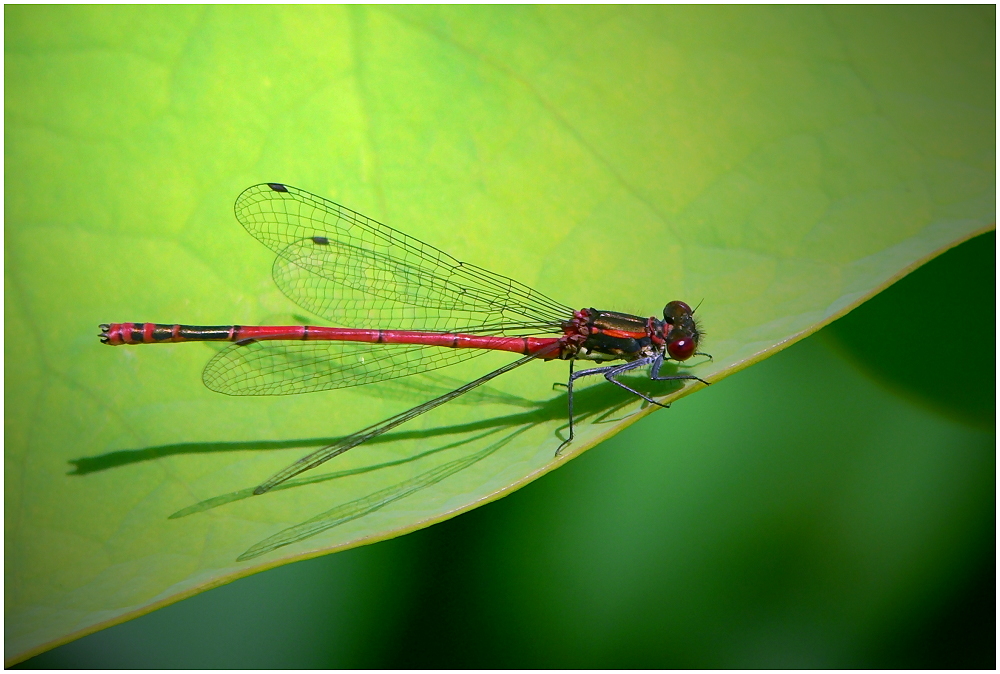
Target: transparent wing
[[287, 367], [357, 272]]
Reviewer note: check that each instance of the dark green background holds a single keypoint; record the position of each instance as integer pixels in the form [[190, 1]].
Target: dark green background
[[832, 506]]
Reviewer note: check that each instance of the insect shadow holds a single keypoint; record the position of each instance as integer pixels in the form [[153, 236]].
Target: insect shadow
[[431, 384], [585, 400], [599, 404]]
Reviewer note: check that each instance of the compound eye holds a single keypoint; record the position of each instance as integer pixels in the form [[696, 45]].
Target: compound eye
[[675, 310], [681, 349]]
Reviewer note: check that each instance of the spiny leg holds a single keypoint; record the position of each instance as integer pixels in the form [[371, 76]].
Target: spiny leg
[[569, 396], [654, 373], [608, 371], [619, 369]]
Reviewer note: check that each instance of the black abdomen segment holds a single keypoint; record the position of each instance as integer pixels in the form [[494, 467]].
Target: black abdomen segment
[[157, 333]]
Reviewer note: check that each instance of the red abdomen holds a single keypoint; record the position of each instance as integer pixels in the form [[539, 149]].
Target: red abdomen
[[117, 334]]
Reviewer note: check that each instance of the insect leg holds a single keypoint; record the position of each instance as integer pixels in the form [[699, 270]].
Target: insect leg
[[569, 395], [619, 369], [654, 372], [608, 371]]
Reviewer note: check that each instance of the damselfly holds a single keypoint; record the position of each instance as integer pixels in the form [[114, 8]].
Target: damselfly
[[409, 308]]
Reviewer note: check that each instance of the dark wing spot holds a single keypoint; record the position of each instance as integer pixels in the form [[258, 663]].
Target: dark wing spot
[[277, 187], [321, 241]]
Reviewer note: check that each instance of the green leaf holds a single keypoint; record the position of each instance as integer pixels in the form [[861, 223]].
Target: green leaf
[[781, 164]]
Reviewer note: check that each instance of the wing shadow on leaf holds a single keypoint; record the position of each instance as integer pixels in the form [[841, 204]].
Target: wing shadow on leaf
[[600, 414], [241, 494], [375, 501], [595, 397], [597, 403], [431, 385]]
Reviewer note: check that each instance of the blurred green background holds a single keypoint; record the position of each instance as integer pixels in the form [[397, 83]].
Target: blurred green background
[[832, 506]]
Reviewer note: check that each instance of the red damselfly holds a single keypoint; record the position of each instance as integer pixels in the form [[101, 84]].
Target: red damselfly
[[410, 308]]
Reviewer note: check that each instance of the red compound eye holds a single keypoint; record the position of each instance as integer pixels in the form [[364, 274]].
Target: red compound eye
[[681, 349]]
